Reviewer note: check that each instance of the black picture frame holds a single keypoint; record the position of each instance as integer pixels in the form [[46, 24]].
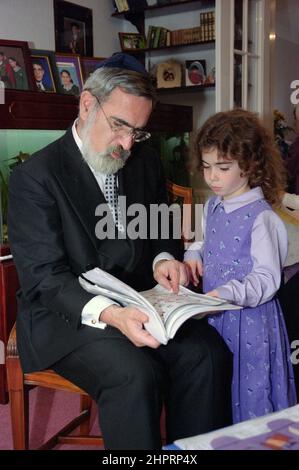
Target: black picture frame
[[73, 28], [47, 60]]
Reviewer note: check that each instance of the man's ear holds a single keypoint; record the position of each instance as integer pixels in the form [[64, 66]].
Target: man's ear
[[87, 101]]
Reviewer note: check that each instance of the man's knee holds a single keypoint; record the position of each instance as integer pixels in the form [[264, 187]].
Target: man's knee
[[138, 372], [205, 343]]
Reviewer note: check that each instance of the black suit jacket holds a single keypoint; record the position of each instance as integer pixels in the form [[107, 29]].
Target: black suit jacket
[[53, 197]]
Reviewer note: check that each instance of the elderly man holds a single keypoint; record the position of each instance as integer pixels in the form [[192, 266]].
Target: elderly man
[[97, 344]]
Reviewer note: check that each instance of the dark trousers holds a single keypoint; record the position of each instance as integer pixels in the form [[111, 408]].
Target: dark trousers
[[191, 375]]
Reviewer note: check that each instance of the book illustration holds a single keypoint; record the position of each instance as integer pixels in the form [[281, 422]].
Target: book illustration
[[283, 434], [275, 431], [166, 311]]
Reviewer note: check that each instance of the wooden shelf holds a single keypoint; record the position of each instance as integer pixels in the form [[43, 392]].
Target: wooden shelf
[[36, 110], [136, 17], [175, 46], [159, 7], [184, 89], [44, 111]]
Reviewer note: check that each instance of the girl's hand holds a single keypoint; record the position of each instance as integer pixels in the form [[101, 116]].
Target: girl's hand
[[213, 293], [171, 274], [195, 270]]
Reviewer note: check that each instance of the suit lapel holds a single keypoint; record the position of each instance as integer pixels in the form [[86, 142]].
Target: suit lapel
[[75, 176]]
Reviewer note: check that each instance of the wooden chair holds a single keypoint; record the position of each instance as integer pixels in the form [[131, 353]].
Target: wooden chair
[[179, 193], [182, 195], [18, 388]]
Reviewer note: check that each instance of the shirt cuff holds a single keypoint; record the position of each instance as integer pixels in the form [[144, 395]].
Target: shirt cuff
[[164, 255], [91, 312], [225, 293], [194, 252]]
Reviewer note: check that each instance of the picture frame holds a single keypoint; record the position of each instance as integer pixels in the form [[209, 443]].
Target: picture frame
[[15, 65], [45, 70], [132, 41], [89, 65], [195, 72], [169, 74], [73, 28], [70, 73]]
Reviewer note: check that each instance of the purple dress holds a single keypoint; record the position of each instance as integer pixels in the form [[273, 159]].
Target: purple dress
[[263, 379]]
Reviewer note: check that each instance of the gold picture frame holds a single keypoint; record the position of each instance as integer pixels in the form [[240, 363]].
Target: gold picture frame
[[169, 74]]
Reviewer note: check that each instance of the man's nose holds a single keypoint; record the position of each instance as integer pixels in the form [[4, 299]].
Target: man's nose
[[127, 141]]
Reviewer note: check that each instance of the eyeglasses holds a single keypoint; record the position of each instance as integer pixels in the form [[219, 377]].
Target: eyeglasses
[[123, 129]]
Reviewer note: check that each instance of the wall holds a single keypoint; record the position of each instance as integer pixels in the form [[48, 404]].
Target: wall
[[285, 56], [203, 102], [33, 21]]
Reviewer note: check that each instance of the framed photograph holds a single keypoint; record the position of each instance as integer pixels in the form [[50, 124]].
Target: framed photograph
[[15, 65], [73, 28], [89, 65], [45, 70], [169, 74], [70, 74], [195, 72], [131, 41]]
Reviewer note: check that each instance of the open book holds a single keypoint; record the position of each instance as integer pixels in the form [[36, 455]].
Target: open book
[[166, 311]]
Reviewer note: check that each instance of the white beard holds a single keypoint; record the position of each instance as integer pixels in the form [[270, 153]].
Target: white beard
[[101, 162]]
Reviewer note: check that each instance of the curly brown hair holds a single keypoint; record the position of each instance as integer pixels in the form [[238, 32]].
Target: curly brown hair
[[239, 135]]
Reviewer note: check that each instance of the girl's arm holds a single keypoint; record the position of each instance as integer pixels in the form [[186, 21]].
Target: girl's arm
[[269, 243], [194, 255]]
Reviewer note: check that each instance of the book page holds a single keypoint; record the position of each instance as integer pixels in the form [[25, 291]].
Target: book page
[[166, 302], [103, 280], [175, 309], [279, 430], [98, 282], [166, 311]]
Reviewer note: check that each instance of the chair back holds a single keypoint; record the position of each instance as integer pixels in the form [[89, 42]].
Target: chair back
[[182, 195]]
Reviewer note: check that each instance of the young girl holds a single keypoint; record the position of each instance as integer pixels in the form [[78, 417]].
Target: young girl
[[245, 246]]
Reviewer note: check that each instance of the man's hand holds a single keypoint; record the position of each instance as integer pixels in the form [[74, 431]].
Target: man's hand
[[195, 270], [129, 320], [170, 274]]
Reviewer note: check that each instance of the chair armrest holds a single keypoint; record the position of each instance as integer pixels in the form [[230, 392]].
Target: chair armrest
[[12, 349]]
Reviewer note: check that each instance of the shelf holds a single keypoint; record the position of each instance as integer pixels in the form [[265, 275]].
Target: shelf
[[35, 110], [46, 111], [184, 89], [159, 7], [136, 17], [140, 51]]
